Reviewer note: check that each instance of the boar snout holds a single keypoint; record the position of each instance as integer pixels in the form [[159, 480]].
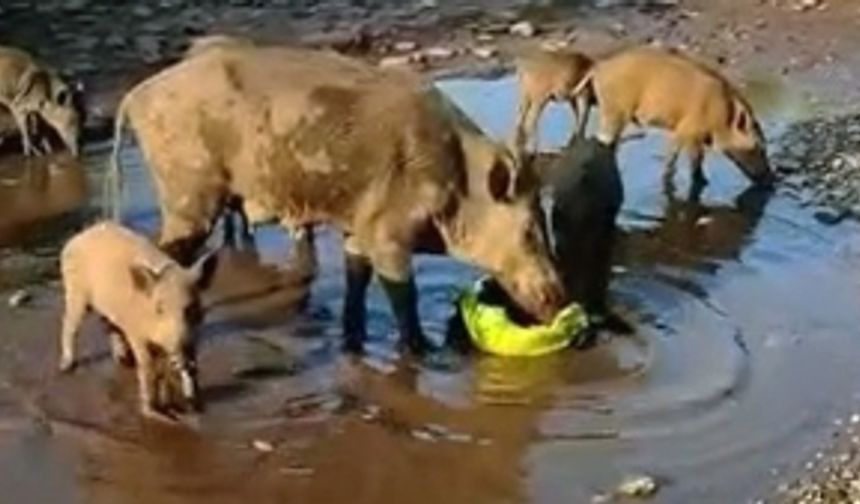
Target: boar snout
[[540, 295], [185, 366], [755, 165]]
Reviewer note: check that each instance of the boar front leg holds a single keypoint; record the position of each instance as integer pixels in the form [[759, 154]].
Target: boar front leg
[[358, 273], [119, 349], [146, 381], [23, 123], [696, 154], [392, 264], [670, 162]]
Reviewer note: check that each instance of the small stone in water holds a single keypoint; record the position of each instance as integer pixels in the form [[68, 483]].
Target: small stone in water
[[405, 46], [638, 486], [423, 435], [19, 298], [855, 418]]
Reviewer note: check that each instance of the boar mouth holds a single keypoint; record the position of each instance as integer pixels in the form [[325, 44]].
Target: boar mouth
[[534, 303]]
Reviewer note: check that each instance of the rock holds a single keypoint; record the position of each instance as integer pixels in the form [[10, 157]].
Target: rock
[[485, 52], [405, 46], [142, 11], [523, 29], [395, 61], [428, 4], [440, 53], [263, 446], [485, 37], [19, 298], [638, 486]]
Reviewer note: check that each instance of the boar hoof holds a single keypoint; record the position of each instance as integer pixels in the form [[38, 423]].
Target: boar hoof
[[417, 346], [150, 413], [353, 345], [67, 366]]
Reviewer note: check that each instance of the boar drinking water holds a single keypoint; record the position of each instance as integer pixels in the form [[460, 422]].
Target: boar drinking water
[[314, 137], [27, 89], [663, 88], [150, 302]]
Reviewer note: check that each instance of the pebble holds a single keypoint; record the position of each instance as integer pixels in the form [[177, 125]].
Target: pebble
[[523, 29], [440, 53], [423, 435], [19, 298], [263, 446], [639, 486], [405, 46], [485, 52], [395, 61]]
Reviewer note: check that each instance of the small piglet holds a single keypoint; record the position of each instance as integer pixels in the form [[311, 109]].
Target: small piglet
[[149, 301]]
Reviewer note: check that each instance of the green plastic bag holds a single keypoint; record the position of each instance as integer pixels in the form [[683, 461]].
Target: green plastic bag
[[492, 331]]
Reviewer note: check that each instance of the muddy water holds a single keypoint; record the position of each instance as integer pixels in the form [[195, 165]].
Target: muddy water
[[745, 351]]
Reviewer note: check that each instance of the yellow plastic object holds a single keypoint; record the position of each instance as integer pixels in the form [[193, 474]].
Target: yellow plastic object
[[492, 331]]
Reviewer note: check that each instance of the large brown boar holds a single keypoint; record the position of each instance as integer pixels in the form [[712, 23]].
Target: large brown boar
[[150, 302], [314, 137], [28, 88], [545, 76], [657, 87]]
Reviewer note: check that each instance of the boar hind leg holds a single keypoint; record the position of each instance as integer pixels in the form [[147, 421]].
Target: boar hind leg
[[580, 108], [75, 310], [612, 124], [304, 254]]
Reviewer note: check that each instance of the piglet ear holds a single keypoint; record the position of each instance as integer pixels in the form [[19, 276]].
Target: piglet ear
[[143, 277], [203, 271]]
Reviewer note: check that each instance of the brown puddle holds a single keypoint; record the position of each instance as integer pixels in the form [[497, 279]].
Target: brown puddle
[[745, 350]]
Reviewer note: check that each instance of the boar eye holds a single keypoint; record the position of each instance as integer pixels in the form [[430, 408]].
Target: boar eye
[[192, 313], [64, 97]]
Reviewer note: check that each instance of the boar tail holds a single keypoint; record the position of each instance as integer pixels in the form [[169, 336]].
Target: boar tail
[[113, 179], [584, 85]]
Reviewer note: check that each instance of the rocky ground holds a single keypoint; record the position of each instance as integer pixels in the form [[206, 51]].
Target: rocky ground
[[812, 44]]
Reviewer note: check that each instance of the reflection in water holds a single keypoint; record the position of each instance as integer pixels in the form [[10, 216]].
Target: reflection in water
[[36, 190], [694, 235]]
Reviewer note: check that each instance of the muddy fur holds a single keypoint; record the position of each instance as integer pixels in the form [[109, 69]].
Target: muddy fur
[[371, 151]]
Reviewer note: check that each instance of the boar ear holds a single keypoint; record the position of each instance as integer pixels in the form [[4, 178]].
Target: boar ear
[[742, 119], [143, 277], [203, 271], [31, 81], [500, 181]]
